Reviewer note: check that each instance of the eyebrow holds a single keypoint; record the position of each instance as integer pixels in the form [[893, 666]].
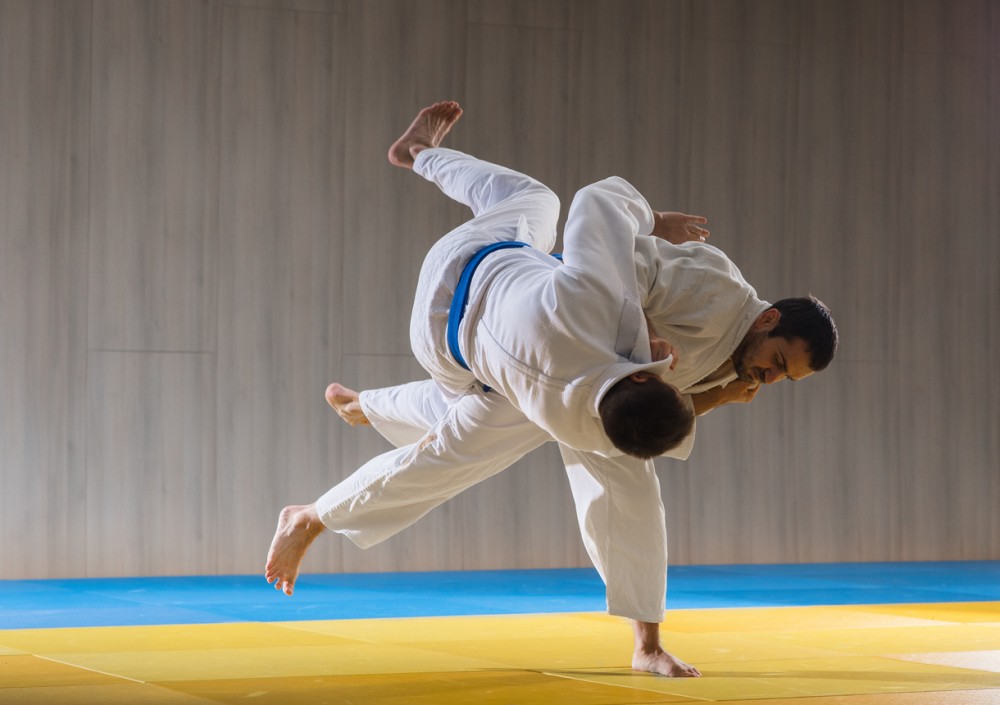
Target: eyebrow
[[783, 364]]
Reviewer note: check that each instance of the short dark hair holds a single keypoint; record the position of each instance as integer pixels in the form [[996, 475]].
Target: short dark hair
[[808, 318], [645, 419]]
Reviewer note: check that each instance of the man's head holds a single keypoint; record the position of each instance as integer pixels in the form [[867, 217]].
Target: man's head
[[790, 340], [644, 416]]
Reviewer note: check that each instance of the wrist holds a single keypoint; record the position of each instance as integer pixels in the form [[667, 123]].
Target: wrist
[[704, 402], [658, 224]]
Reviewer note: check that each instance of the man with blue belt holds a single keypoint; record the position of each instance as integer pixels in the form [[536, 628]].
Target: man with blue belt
[[563, 348]]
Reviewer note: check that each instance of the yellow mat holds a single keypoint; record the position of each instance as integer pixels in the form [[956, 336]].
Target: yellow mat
[[947, 654]]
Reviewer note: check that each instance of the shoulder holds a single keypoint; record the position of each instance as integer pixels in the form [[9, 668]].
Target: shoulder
[[708, 258]]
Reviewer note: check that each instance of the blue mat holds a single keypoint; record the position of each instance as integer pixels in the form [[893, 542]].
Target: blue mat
[[94, 602]]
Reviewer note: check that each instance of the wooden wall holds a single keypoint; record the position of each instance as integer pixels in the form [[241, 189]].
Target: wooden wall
[[199, 231]]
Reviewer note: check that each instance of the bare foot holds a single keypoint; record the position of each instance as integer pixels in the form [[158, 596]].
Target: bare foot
[[427, 130], [663, 664], [345, 402], [298, 527], [648, 656]]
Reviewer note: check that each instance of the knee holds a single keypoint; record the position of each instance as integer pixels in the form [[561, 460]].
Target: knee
[[546, 198]]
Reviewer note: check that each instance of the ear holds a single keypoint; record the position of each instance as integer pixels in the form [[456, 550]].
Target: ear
[[767, 321], [639, 377]]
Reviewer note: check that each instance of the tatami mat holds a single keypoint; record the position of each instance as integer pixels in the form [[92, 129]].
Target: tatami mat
[[943, 653]]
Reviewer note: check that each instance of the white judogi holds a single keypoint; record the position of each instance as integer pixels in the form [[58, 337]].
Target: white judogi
[[695, 298], [549, 339]]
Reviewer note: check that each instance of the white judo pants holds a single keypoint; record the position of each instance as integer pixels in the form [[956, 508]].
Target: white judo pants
[[451, 435]]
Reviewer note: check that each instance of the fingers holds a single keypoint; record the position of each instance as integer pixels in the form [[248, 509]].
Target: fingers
[[656, 351], [660, 349], [696, 231], [699, 233], [679, 228]]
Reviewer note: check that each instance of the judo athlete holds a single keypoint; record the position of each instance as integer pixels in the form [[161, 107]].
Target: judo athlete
[[726, 343], [559, 349]]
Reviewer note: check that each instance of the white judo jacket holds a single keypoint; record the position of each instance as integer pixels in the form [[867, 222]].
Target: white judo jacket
[[550, 338], [698, 300], [553, 338]]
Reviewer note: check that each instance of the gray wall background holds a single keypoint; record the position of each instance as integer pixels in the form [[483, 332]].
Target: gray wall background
[[199, 231]]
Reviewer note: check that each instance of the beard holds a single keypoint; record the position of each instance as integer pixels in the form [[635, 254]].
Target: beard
[[745, 351]]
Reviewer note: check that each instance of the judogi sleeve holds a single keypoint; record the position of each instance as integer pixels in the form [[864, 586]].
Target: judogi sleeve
[[600, 244], [598, 253]]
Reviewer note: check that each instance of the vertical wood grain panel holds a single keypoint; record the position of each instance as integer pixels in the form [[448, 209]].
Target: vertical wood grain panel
[[44, 120], [969, 27], [154, 176], [632, 113], [843, 201], [742, 486], [949, 214], [992, 313], [842, 191], [404, 56], [842, 464], [281, 236], [151, 476], [527, 516], [335, 6], [233, 187], [518, 101], [740, 149], [759, 21], [550, 14]]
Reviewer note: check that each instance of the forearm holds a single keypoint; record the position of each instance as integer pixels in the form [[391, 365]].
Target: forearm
[[736, 392], [704, 402]]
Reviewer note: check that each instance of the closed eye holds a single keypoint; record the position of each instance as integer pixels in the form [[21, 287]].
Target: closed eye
[[782, 365]]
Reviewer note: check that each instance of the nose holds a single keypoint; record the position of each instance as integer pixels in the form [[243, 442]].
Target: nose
[[772, 375]]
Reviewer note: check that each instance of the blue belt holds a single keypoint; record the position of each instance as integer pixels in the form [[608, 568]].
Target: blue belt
[[461, 298]]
